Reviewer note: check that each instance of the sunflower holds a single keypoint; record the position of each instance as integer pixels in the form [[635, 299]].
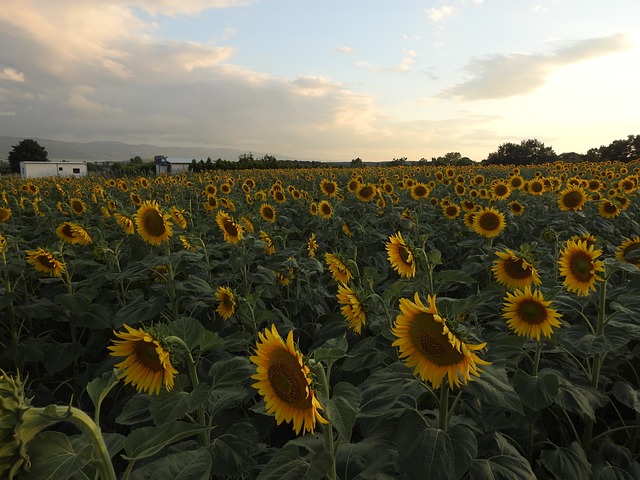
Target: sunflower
[[572, 198], [312, 245], [346, 229], [608, 209], [147, 364], [514, 271], [401, 256], [419, 191], [451, 211], [268, 213], [427, 344], [226, 302], [269, 247], [177, 214], [153, 226], [313, 208], [160, 273], [366, 192], [78, 206], [536, 187], [284, 380], [73, 233], [126, 223], [338, 268], [233, 233], [352, 307], [488, 222], [516, 208], [4, 246], [186, 243], [211, 203], [500, 190], [329, 187], [45, 262], [325, 210], [247, 224], [5, 214], [579, 266], [629, 251], [528, 314], [353, 185]]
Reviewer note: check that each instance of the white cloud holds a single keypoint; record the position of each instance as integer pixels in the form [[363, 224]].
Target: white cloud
[[506, 75], [440, 14], [12, 74], [179, 7], [344, 49]]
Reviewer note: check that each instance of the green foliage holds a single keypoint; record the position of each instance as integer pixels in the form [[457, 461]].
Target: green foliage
[[27, 150]]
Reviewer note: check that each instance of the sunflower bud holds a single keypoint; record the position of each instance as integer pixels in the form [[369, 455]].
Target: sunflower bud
[[549, 235]]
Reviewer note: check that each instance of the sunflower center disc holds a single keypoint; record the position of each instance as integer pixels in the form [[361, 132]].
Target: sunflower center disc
[[288, 381], [426, 335], [517, 268], [532, 312], [47, 261], [405, 255], [489, 221], [231, 229], [147, 354], [154, 223], [581, 267], [573, 199]]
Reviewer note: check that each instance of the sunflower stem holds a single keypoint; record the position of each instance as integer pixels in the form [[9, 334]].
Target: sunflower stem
[[328, 428], [443, 416]]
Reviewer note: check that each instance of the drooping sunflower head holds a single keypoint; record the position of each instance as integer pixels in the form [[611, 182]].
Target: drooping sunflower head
[[126, 223], [269, 247], [352, 307], [629, 251], [44, 261], [232, 232], [5, 214], [514, 270], [153, 226], [488, 222], [431, 348], [529, 315], [401, 256], [178, 216], [338, 267], [4, 245], [572, 198], [312, 245], [580, 267], [226, 302], [147, 363], [284, 380]]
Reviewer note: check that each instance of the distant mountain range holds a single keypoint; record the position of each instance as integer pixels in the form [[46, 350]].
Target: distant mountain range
[[122, 152]]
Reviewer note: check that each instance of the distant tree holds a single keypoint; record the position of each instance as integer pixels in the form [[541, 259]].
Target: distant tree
[[137, 160], [356, 162], [528, 152], [26, 151], [624, 150], [398, 161]]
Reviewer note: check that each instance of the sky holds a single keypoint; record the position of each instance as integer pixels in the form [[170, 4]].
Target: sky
[[323, 80]]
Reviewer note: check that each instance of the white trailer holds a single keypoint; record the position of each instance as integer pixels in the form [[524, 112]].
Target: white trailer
[[53, 169]]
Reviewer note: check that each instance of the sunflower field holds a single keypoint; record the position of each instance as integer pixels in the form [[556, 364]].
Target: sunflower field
[[405, 322]]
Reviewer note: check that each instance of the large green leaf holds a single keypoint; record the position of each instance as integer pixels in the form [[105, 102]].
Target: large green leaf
[[465, 449], [342, 408], [60, 355], [135, 411], [331, 350], [493, 387], [287, 464], [145, 442], [230, 452], [567, 463], [175, 404], [189, 465], [189, 330], [139, 311], [579, 398], [423, 452], [536, 392], [230, 371], [501, 467], [98, 388], [53, 458], [627, 395], [223, 398]]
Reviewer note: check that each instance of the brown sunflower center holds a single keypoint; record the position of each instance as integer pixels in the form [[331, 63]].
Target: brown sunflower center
[[610, 207], [230, 228], [154, 223], [147, 355], [573, 199], [329, 188], [67, 231], [47, 261], [489, 221], [532, 312], [536, 187], [632, 253], [366, 192], [325, 209], [420, 191], [517, 268], [451, 211], [427, 337], [501, 190], [581, 266], [77, 206], [288, 380], [405, 255]]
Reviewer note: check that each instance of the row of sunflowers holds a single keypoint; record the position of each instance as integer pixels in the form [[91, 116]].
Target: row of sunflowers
[[358, 323]]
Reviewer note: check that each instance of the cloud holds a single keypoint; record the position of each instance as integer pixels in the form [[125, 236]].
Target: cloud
[[440, 14], [500, 76], [12, 74], [180, 7], [405, 65], [344, 49]]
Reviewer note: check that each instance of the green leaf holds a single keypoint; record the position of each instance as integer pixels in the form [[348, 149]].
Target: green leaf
[[230, 452], [221, 399], [53, 458], [139, 311], [423, 452], [189, 465], [536, 392], [342, 408], [230, 372], [331, 350], [145, 442], [175, 404], [447, 277], [287, 464], [493, 387], [60, 355], [501, 467], [580, 399], [135, 411], [30, 350], [98, 388], [567, 463], [465, 449], [209, 340], [189, 330], [627, 395]]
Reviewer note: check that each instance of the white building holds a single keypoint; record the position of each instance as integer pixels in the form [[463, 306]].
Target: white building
[[171, 165], [54, 169]]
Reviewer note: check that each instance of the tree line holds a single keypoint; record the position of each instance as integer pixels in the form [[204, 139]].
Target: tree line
[[527, 152]]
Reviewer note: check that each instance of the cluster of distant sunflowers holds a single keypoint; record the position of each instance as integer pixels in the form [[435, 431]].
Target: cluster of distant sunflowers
[[360, 303]]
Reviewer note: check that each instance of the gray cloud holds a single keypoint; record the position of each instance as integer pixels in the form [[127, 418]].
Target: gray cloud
[[500, 76]]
